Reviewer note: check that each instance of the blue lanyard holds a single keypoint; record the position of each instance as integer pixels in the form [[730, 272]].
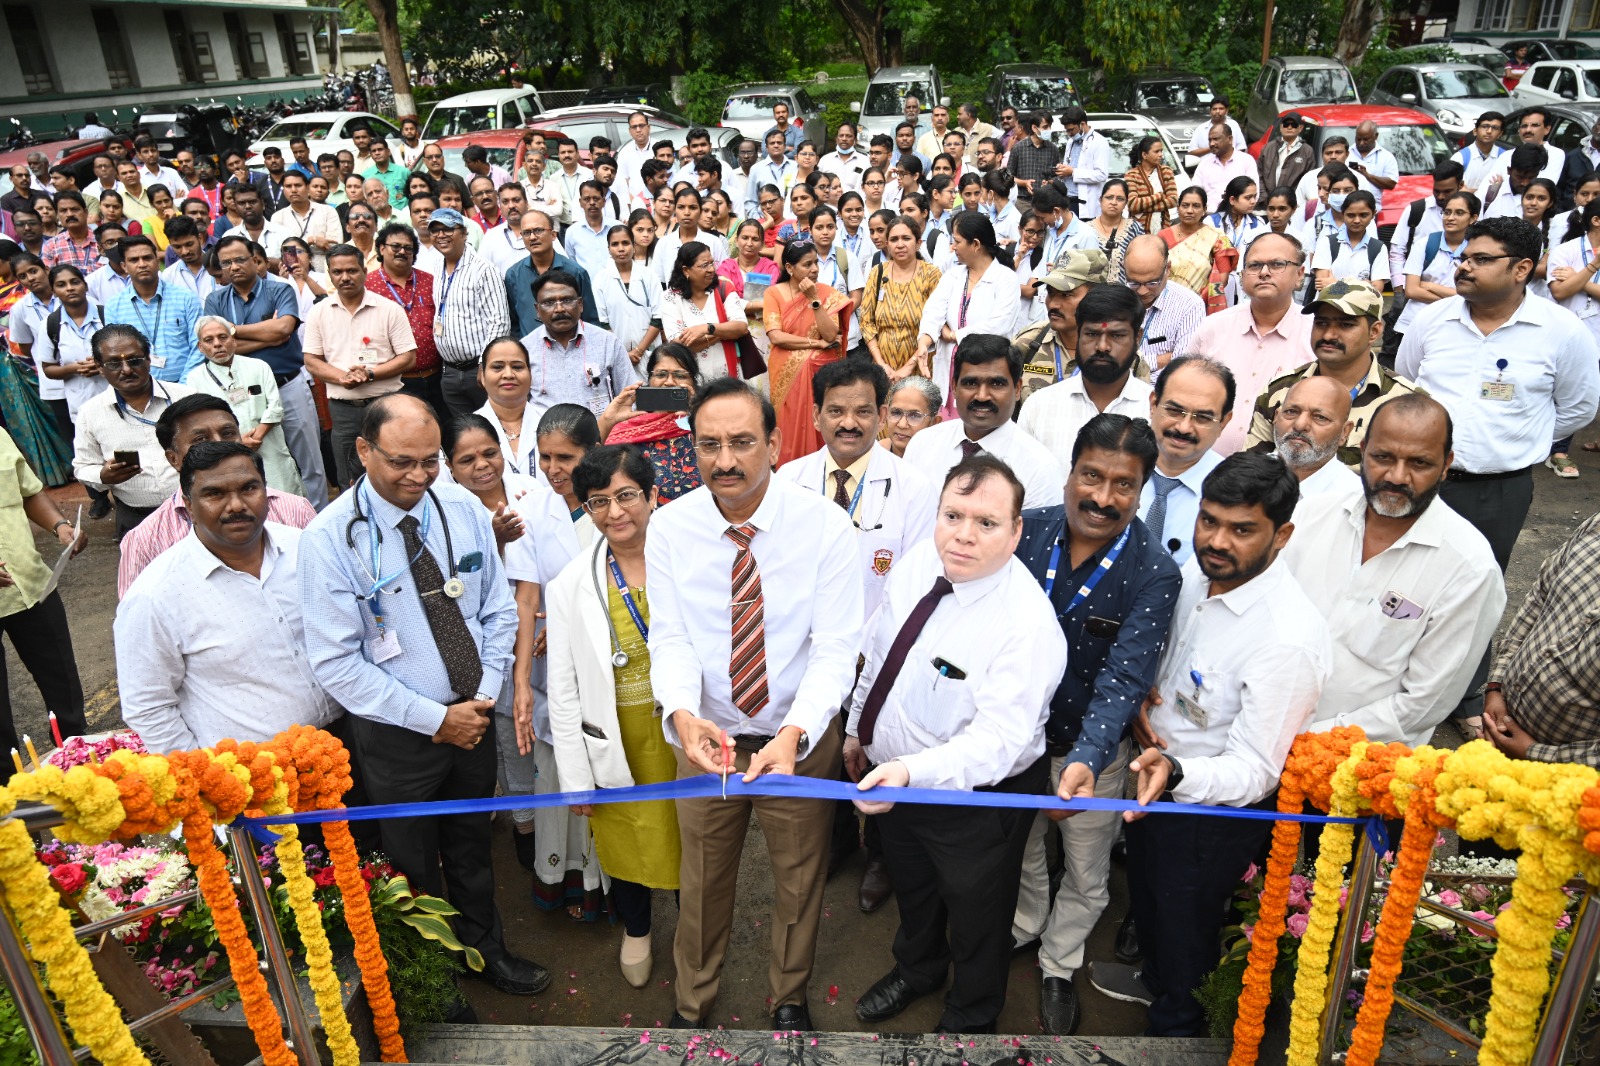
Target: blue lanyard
[[414, 299], [234, 301], [144, 327], [1057, 345], [861, 483], [1094, 578], [375, 540], [627, 596], [122, 407], [449, 280]]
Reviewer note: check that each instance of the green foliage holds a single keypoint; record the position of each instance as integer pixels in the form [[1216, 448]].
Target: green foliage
[[421, 976], [1130, 35], [16, 1048], [704, 93]]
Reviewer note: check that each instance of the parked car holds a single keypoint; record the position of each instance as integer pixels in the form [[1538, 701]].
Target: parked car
[[1293, 83], [505, 147], [75, 153], [1541, 49], [208, 131], [1486, 56], [1549, 82], [654, 95], [1124, 131], [882, 107], [1415, 139], [749, 110], [324, 131], [583, 122], [1031, 87], [1569, 127], [1179, 103], [487, 109], [1455, 94]]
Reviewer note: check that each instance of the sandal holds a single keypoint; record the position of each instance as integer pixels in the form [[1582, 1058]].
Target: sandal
[[1562, 465], [1591, 445]]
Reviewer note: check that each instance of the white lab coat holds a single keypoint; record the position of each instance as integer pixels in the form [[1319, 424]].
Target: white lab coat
[[994, 308]]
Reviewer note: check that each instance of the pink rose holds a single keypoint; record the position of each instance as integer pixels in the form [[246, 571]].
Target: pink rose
[[1564, 921], [69, 877], [1449, 898], [1297, 924], [1250, 873], [1367, 933]]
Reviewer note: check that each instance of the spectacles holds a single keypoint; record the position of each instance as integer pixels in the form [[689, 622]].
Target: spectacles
[[229, 264], [769, 201], [901, 414], [398, 249], [403, 464], [1481, 260], [1269, 266], [625, 498], [133, 362], [1146, 286], [710, 449], [1178, 414], [671, 375], [560, 301]]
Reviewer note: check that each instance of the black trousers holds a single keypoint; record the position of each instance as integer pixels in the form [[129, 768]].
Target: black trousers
[[1182, 870], [955, 872], [1497, 508], [462, 393], [128, 517], [44, 644], [448, 855], [429, 390]]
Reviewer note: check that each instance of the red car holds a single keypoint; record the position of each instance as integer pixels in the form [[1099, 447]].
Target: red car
[[505, 148], [1416, 141], [75, 153]]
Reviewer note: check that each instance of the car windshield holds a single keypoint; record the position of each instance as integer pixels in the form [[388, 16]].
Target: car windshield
[[886, 98], [1571, 50], [1418, 149], [1040, 94], [1460, 84], [754, 106], [311, 131], [1174, 94], [500, 157], [1322, 85], [450, 121]]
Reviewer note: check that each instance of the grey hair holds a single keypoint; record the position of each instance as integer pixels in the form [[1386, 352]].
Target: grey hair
[[929, 390], [205, 320]]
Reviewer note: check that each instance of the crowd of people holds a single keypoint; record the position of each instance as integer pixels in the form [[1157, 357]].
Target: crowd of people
[[984, 471]]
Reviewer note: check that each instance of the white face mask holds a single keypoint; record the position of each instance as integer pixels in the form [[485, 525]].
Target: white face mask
[[1336, 200]]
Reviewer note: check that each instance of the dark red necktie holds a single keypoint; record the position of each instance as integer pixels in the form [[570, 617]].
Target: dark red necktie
[[897, 657]]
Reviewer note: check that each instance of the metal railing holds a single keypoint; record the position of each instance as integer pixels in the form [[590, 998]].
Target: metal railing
[[33, 1003]]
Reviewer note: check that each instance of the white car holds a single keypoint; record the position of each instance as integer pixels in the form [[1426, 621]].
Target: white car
[[486, 109], [1560, 81], [1123, 130], [324, 131]]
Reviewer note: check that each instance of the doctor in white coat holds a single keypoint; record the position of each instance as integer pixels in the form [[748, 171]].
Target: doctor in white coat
[[981, 294]]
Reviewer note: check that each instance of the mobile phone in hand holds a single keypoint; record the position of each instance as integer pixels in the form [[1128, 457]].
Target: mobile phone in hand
[[661, 398], [126, 458]]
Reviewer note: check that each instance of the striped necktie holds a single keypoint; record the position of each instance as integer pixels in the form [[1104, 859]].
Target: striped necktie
[[747, 666]]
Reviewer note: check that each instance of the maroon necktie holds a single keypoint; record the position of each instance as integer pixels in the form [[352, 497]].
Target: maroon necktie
[[969, 448], [897, 657], [841, 497]]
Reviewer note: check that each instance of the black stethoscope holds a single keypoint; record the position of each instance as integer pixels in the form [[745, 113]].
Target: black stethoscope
[[454, 587]]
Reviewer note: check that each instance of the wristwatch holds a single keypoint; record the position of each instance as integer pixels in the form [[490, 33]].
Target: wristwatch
[[59, 524], [802, 745], [1175, 776], [816, 305]]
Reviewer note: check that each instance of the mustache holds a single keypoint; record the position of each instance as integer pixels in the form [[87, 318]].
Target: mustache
[[241, 516], [1390, 486], [1331, 344], [1111, 514], [983, 405], [1178, 434], [1218, 556], [731, 471]]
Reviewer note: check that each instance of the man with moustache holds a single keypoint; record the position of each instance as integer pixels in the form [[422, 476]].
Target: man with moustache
[[753, 688], [891, 504], [1191, 405], [209, 637], [1311, 423], [1108, 320], [1243, 670], [538, 237], [502, 245], [1410, 590], [472, 309], [960, 668], [1113, 588]]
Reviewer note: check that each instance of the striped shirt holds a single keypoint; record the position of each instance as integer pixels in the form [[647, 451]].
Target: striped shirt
[[472, 309], [63, 249], [1377, 388], [170, 523]]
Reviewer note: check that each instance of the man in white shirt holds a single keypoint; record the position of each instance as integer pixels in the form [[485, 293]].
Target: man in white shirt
[[151, 170], [1503, 192], [930, 142], [1087, 162], [774, 170], [1172, 313], [586, 237], [754, 690], [1410, 590], [1243, 670], [503, 245], [1375, 167], [1200, 141], [254, 225], [1534, 130], [316, 224], [960, 669], [1479, 157], [845, 161], [209, 638], [567, 177], [737, 181], [631, 156], [1109, 318], [976, 130], [1190, 407], [1309, 427], [1420, 218], [988, 379], [187, 242], [1225, 162]]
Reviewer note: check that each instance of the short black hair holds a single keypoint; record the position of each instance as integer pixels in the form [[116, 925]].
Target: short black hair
[[210, 454], [71, 196], [1245, 479], [179, 226], [979, 467], [1120, 435], [395, 229], [843, 372], [982, 348], [1526, 158], [113, 332], [474, 153], [1449, 170], [181, 408], [727, 386], [1517, 236], [1110, 303], [601, 463], [338, 251], [1208, 365], [453, 430]]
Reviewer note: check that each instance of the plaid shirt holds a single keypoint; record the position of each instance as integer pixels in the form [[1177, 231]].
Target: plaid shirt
[[1549, 658], [1033, 164], [1379, 386], [61, 249]]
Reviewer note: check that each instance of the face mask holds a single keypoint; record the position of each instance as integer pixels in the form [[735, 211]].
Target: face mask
[[1336, 200]]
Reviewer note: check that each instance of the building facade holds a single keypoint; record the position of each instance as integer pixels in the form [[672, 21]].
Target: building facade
[[1503, 20]]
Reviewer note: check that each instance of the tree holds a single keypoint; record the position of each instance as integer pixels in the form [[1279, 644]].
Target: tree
[[880, 44], [1129, 35], [1361, 17], [386, 13]]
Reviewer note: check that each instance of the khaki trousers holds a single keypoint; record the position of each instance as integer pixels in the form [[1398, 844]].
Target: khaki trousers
[[713, 832]]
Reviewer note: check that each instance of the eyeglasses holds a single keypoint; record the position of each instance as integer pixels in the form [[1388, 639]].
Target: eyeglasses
[[133, 362], [1178, 414], [710, 449], [535, 232], [403, 464], [625, 498], [398, 249], [769, 201], [1147, 286], [672, 375], [903, 414], [560, 301], [1269, 266], [229, 264], [1481, 260]]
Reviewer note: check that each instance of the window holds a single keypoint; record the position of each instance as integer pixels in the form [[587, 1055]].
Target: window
[[113, 49], [885, 98], [1418, 149], [235, 28], [1586, 15], [1493, 15], [205, 56], [1389, 84], [29, 43], [1543, 77], [1462, 84], [185, 54], [1317, 85], [296, 47], [1567, 84]]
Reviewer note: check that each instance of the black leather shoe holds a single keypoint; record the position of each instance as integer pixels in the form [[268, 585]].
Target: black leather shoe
[[99, 507], [527, 851], [1127, 946], [1058, 1006], [514, 976], [792, 1018], [874, 885], [888, 997], [678, 1021]]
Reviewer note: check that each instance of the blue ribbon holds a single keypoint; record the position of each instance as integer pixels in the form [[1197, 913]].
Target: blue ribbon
[[709, 786]]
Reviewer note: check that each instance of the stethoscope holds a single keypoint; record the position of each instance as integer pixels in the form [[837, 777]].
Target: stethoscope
[[619, 658], [454, 587]]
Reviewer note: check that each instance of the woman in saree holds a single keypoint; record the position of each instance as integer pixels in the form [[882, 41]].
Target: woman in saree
[[28, 418], [1200, 256], [807, 324]]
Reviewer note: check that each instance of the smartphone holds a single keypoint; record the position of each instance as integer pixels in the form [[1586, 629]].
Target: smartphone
[[126, 458], [291, 254], [661, 398]]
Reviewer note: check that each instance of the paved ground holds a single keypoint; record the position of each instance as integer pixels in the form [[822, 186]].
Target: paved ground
[[854, 947]]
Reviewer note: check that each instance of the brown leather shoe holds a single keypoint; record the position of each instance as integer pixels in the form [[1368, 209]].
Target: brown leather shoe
[[874, 886]]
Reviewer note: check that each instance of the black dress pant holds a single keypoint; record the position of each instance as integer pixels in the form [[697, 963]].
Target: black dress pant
[[128, 516], [446, 855], [955, 872], [44, 644], [1182, 871], [1497, 508]]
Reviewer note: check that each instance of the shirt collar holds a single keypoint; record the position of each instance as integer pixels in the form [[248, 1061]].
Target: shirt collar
[[577, 338], [857, 469], [1429, 528], [387, 513], [1000, 435], [968, 592], [208, 564], [1344, 237], [1258, 588]]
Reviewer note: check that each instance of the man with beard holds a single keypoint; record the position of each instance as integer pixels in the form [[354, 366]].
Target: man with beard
[[1410, 590], [1346, 331], [1241, 675], [254, 226], [1113, 588], [1108, 321], [1191, 405], [1311, 423]]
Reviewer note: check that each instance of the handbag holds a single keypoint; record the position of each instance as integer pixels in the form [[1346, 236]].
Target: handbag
[[745, 360]]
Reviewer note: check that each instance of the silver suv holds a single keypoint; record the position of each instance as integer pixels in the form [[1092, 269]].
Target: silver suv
[[1288, 82], [749, 110]]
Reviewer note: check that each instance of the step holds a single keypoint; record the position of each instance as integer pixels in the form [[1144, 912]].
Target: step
[[535, 1045]]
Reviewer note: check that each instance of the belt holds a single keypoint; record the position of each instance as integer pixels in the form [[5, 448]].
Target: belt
[[353, 403], [1467, 475], [750, 743], [468, 366], [417, 375], [284, 379]]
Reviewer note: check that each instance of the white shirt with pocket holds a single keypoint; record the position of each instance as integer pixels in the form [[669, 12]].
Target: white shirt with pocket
[[1439, 269], [74, 348]]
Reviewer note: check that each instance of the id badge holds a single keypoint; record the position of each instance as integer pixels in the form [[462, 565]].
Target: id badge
[[384, 647], [158, 361], [1191, 710], [238, 394], [369, 357], [438, 327], [1499, 391], [598, 405]]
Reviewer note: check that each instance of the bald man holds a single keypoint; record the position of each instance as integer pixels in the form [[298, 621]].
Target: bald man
[[1172, 313], [1311, 423], [376, 194], [1375, 167]]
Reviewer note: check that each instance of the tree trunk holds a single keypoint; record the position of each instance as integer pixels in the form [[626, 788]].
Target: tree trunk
[[387, 15], [866, 23], [1361, 17]]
